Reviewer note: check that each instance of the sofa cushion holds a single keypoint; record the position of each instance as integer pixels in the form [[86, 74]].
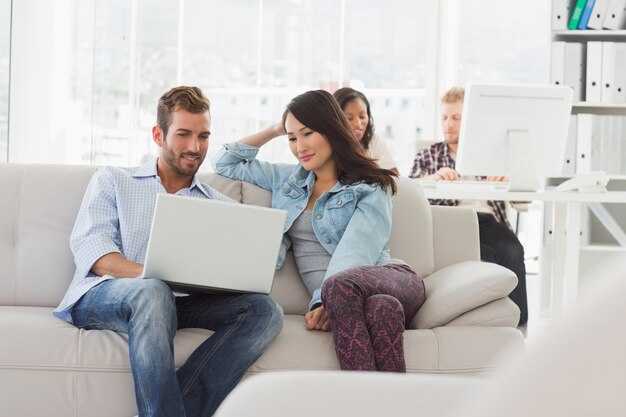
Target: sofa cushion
[[42, 212], [500, 312], [459, 288], [458, 349], [412, 229]]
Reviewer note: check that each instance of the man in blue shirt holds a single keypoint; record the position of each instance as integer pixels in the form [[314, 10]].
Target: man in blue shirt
[[109, 243]]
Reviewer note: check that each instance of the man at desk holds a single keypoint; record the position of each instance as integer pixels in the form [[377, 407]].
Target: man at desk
[[498, 243]]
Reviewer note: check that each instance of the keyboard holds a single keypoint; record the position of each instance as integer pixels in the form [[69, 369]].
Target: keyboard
[[468, 184]]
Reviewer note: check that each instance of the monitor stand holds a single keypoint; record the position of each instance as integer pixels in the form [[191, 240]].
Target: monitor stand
[[523, 172]]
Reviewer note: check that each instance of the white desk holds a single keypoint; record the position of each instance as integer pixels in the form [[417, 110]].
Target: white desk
[[565, 245]]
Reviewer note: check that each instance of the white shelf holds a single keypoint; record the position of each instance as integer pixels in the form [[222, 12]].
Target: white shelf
[[559, 179], [603, 248], [618, 109], [590, 34]]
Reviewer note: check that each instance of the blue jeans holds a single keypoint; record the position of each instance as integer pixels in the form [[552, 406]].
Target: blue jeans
[[146, 309]]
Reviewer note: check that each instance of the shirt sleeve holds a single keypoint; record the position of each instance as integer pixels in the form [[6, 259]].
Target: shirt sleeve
[[422, 165], [238, 161], [379, 151], [96, 231]]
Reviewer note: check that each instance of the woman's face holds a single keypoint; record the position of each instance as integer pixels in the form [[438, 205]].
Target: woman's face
[[356, 113], [310, 147]]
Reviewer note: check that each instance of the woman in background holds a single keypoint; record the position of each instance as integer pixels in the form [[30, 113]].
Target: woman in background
[[356, 107], [338, 203]]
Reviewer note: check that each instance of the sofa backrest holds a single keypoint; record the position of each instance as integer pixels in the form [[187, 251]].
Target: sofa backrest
[[38, 206], [39, 203]]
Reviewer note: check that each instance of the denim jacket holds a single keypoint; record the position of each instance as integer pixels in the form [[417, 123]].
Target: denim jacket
[[351, 221]]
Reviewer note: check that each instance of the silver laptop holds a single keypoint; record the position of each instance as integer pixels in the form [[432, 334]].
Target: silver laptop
[[202, 245]]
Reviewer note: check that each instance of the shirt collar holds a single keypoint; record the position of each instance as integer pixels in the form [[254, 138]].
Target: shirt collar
[[149, 169]]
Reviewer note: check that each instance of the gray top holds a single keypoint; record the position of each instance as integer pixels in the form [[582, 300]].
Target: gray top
[[311, 257]]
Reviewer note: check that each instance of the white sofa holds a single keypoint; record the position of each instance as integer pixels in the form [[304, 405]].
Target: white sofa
[[50, 368], [576, 368]]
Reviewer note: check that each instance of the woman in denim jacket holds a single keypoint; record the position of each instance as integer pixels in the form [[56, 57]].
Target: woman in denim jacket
[[338, 204]]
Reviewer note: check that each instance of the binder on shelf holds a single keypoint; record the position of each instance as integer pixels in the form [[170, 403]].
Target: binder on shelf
[[609, 146], [599, 134], [557, 63], [615, 15], [569, 164], [608, 71], [584, 18], [560, 13], [619, 74], [576, 14], [597, 14], [585, 228], [613, 72], [593, 76], [574, 69], [584, 134]]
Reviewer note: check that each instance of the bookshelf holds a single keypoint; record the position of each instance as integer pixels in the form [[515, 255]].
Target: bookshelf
[[598, 141]]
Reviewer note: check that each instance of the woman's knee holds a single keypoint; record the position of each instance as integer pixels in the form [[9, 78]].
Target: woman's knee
[[384, 305]]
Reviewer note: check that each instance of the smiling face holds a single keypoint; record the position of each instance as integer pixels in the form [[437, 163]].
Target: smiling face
[[356, 113], [310, 147], [184, 148]]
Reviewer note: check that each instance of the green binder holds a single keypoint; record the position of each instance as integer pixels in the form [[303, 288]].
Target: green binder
[[576, 15]]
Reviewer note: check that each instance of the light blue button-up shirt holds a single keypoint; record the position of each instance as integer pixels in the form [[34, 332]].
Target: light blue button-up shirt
[[115, 216], [351, 221]]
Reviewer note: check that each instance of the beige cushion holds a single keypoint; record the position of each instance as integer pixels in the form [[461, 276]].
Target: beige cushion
[[412, 222], [500, 312], [459, 288]]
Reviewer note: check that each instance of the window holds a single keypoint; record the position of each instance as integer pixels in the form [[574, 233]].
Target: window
[[5, 47], [386, 46], [501, 41], [108, 61]]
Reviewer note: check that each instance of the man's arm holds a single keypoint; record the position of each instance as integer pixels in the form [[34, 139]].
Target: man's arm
[[115, 265], [95, 240], [425, 167]]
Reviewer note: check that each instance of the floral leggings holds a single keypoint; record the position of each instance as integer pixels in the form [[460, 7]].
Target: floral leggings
[[369, 307]]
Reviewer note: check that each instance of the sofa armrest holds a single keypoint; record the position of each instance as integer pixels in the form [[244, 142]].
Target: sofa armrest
[[457, 289], [499, 313], [455, 235]]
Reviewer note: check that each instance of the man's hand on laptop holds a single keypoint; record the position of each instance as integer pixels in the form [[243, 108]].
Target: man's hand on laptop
[[115, 265]]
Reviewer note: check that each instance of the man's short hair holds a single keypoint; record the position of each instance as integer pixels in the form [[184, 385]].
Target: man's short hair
[[453, 95], [180, 98]]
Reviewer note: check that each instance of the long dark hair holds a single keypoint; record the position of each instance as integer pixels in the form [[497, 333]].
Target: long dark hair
[[344, 96], [319, 111]]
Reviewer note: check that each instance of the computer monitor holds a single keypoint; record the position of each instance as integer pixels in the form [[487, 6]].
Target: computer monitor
[[519, 131]]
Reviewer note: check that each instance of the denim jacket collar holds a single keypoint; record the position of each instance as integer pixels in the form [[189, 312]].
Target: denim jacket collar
[[301, 178]]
